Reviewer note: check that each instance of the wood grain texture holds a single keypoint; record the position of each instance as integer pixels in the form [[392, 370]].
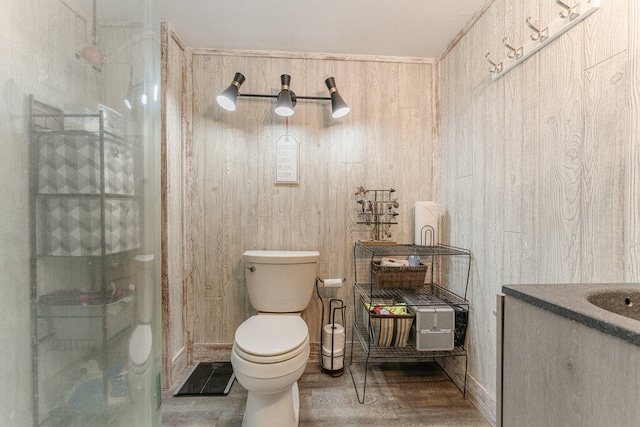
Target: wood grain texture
[[603, 192], [632, 174], [562, 137], [606, 32], [407, 394], [173, 301], [387, 141], [549, 165]]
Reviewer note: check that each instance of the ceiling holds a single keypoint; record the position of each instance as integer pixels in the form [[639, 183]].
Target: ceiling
[[408, 28]]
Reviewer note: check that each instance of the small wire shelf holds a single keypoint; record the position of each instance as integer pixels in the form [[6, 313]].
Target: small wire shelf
[[407, 250], [408, 351], [429, 294]]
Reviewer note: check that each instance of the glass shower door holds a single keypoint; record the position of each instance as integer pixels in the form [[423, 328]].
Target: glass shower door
[[80, 221]]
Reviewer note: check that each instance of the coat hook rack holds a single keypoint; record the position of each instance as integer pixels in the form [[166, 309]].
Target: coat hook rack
[[539, 35], [569, 17]]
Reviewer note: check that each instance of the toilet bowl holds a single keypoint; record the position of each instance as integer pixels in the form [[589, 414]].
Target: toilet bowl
[[269, 355]]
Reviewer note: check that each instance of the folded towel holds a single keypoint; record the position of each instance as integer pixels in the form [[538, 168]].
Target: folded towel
[[394, 262], [398, 309]]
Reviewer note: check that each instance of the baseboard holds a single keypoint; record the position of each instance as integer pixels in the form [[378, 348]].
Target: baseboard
[[211, 352], [476, 393], [178, 365]]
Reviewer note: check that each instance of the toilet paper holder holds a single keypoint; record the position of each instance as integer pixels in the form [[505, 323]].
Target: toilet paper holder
[[332, 363]]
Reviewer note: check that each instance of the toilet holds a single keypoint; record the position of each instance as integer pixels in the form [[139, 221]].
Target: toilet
[[141, 340], [271, 349]]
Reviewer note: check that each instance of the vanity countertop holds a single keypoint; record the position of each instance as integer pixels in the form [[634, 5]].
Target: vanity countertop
[[570, 301]]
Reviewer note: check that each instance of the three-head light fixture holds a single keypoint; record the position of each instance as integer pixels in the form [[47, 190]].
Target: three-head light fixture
[[286, 99]]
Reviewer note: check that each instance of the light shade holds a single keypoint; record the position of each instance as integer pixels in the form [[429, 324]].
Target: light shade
[[339, 108], [285, 104], [227, 99]]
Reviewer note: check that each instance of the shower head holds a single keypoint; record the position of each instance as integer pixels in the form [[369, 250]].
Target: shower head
[[91, 54], [93, 57]]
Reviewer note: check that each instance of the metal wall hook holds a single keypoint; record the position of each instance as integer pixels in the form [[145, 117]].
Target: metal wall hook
[[495, 68], [540, 35], [568, 12], [513, 52]]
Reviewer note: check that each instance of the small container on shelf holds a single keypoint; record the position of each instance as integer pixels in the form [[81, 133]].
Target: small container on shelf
[[113, 121], [74, 226], [393, 277], [77, 315], [386, 328]]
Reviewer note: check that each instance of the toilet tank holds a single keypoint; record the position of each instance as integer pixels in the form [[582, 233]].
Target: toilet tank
[[280, 281]]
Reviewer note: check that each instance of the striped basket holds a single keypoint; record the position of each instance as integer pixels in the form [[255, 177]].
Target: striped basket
[[389, 330]]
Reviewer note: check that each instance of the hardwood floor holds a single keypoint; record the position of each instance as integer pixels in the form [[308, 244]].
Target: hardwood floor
[[397, 394]]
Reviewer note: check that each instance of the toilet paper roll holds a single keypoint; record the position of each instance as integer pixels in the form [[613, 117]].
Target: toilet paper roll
[[426, 214], [332, 283], [336, 351], [338, 362], [337, 332]]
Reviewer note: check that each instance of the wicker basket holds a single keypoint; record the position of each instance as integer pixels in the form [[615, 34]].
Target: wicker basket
[[398, 277]]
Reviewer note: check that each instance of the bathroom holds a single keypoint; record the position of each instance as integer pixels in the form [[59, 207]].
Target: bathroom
[[534, 172]]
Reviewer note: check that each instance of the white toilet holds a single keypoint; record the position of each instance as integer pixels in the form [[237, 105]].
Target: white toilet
[[271, 349]]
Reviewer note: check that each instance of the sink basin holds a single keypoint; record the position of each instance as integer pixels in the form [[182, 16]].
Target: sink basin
[[625, 302]]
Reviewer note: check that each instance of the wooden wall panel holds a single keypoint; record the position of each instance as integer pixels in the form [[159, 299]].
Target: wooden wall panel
[[632, 171], [173, 297], [603, 192], [386, 141], [548, 165]]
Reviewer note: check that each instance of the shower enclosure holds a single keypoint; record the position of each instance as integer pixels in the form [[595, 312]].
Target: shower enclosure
[[79, 217]]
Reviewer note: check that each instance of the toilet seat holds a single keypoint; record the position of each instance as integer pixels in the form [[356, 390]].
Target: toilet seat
[[271, 338]]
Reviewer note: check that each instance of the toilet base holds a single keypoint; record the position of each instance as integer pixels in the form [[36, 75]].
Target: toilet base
[[280, 409]]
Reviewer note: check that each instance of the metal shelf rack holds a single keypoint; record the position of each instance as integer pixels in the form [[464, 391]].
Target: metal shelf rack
[[97, 263], [446, 265]]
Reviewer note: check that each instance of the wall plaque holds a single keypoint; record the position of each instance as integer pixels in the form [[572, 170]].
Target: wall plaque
[[287, 160]]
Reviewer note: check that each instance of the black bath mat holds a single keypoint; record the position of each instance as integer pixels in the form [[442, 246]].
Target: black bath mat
[[208, 379]]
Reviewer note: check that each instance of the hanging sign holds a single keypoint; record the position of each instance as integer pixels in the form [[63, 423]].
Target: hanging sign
[[287, 160]]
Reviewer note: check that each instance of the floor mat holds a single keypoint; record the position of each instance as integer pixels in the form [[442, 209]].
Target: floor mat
[[208, 379]]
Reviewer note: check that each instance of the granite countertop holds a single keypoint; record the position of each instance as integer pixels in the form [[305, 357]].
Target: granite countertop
[[570, 301]]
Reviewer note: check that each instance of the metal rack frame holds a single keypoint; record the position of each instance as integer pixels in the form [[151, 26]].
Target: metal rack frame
[[47, 120], [431, 294]]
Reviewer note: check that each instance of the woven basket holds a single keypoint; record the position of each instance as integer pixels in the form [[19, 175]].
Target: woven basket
[[398, 277]]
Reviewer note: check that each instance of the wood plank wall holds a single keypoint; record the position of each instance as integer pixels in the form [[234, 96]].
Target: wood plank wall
[[174, 339], [540, 168], [232, 203]]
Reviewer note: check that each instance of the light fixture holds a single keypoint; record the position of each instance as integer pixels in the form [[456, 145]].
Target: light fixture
[[227, 99], [286, 98], [339, 108]]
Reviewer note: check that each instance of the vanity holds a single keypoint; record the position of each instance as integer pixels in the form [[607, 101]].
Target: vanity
[[568, 355]]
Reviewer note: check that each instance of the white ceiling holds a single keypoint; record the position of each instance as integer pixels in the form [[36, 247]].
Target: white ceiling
[[411, 28]]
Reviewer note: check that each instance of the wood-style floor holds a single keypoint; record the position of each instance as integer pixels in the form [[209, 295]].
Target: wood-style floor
[[397, 394]]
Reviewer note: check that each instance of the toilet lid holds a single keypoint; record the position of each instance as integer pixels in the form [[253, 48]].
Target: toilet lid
[[271, 335]]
